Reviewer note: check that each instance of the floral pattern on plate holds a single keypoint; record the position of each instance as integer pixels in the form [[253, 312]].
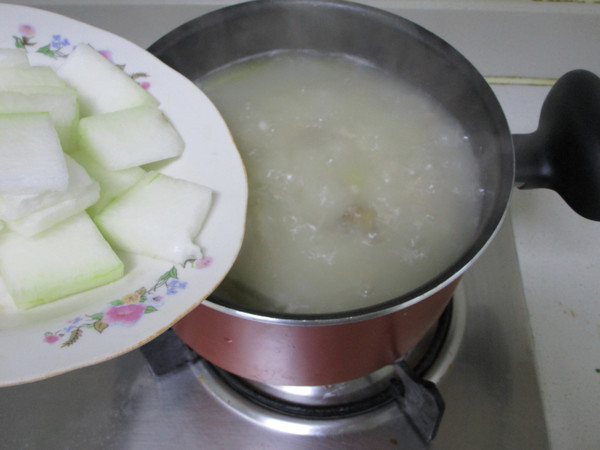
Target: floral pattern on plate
[[127, 310], [61, 47]]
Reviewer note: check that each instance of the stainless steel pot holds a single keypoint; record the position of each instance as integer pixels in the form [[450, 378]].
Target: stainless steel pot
[[330, 348]]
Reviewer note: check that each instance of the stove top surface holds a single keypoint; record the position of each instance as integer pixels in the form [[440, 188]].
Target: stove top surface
[[485, 374]]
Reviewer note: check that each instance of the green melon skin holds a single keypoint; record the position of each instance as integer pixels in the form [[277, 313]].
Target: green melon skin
[[112, 183], [60, 102], [66, 259], [159, 217], [129, 138], [102, 86], [31, 158]]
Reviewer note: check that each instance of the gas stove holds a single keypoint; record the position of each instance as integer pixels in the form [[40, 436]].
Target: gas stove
[[500, 388], [479, 355]]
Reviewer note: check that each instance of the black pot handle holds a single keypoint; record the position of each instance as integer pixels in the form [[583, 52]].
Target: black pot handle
[[564, 153]]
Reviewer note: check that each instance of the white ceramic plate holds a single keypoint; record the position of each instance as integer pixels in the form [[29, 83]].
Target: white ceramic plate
[[108, 321]]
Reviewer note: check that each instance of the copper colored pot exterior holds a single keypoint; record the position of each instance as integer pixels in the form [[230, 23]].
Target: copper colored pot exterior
[[300, 355]]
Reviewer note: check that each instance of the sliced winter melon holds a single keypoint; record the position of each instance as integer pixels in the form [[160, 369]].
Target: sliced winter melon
[[66, 259], [129, 137], [102, 86], [15, 206], [15, 78], [159, 217], [31, 157], [60, 102], [29, 215], [13, 57], [112, 183]]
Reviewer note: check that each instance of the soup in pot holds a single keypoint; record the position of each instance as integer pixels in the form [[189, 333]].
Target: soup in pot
[[361, 188]]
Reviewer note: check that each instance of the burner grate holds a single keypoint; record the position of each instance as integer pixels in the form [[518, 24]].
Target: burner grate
[[167, 353], [417, 399]]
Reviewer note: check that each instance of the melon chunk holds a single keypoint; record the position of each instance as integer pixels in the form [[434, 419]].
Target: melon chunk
[[60, 102], [15, 206], [31, 214], [129, 137], [16, 78], [159, 217], [13, 57], [67, 259], [31, 157], [102, 86], [112, 183]]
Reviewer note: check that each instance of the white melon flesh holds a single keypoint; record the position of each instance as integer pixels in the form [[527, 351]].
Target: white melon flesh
[[31, 157], [13, 57], [16, 78], [112, 183], [60, 102], [159, 217], [102, 86], [129, 138], [30, 215], [67, 259], [15, 206]]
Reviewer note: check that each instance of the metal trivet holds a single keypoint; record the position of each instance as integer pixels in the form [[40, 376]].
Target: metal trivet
[[417, 398]]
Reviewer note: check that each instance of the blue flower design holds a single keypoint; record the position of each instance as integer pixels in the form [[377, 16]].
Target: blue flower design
[[59, 42], [174, 285]]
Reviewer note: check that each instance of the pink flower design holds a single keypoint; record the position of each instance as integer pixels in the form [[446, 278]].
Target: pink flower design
[[145, 84], [106, 53], [127, 310], [51, 338], [127, 314], [27, 30], [203, 262]]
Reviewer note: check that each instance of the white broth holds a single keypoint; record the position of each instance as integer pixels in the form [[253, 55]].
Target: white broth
[[361, 189]]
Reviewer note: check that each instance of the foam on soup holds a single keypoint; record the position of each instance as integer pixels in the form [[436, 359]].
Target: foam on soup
[[361, 188]]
